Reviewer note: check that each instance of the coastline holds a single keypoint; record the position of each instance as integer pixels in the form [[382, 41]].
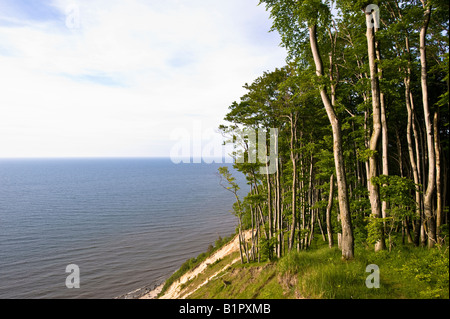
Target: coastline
[[146, 292], [175, 291], [153, 294]]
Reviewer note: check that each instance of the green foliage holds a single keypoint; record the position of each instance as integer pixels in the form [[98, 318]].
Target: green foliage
[[375, 228], [444, 229], [366, 154], [232, 185], [266, 248], [432, 269], [396, 190]]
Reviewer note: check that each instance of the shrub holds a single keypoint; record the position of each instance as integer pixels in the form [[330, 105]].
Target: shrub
[[431, 268]]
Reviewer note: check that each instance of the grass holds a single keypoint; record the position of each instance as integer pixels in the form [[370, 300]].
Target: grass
[[211, 270], [405, 273], [255, 281]]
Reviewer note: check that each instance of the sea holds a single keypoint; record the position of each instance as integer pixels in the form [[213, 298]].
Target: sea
[[117, 225]]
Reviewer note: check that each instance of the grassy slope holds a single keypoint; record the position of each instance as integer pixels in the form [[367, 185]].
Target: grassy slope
[[406, 272]]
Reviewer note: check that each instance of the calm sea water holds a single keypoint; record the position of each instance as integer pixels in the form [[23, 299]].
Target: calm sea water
[[126, 223]]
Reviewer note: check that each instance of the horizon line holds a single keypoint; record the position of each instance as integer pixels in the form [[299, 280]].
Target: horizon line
[[192, 158]]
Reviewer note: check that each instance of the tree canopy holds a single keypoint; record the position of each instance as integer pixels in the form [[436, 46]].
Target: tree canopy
[[363, 106]]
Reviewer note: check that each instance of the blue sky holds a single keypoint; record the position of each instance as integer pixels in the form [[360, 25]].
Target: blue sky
[[41, 10], [103, 78]]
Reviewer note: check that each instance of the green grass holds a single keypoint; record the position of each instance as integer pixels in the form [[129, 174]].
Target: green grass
[[254, 281], [405, 273]]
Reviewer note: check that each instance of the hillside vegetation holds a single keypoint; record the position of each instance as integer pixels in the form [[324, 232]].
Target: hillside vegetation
[[320, 273]]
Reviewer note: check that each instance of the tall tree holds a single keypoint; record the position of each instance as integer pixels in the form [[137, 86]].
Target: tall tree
[[428, 196], [291, 19]]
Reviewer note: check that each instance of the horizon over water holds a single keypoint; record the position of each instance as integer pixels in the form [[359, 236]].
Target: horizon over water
[[127, 223]]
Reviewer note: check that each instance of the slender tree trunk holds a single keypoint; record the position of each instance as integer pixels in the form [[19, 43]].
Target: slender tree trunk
[[445, 186], [422, 159], [311, 231], [328, 214], [319, 219], [302, 226], [438, 177], [253, 237], [258, 234], [258, 206], [412, 158], [428, 196], [418, 176], [240, 241], [303, 220], [293, 120], [405, 222], [278, 210], [399, 152], [310, 200], [269, 201], [374, 195], [344, 207], [384, 133]]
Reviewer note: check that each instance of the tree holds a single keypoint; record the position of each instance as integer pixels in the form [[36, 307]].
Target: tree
[[431, 180], [338, 107], [233, 187], [374, 195], [291, 18]]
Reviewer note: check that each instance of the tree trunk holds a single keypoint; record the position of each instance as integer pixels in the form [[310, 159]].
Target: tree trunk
[[415, 161], [438, 177], [328, 214], [405, 223], [384, 134], [258, 206], [344, 207], [319, 219], [294, 180], [428, 196], [240, 241], [253, 237], [302, 226], [310, 200], [374, 195], [313, 221], [412, 157], [278, 210], [269, 201]]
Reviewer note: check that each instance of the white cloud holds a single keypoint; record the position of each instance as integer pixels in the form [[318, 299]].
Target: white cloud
[[128, 75]]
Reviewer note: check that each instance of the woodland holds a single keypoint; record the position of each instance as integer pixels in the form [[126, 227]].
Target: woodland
[[361, 112]]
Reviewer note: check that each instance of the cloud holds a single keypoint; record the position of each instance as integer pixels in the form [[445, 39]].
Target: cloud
[[115, 78]]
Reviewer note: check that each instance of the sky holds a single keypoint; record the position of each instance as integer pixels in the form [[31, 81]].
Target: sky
[[116, 78]]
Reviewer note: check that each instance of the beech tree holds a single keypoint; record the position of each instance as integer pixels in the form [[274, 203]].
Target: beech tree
[[359, 109]]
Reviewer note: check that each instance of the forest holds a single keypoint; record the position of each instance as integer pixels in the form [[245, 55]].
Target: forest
[[361, 112]]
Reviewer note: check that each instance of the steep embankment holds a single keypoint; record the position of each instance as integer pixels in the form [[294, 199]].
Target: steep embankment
[[206, 271]]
